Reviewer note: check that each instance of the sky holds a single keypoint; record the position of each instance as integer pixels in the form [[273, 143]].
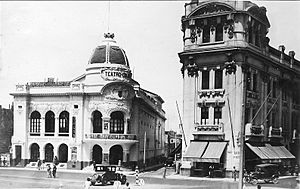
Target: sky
[[56, 39]]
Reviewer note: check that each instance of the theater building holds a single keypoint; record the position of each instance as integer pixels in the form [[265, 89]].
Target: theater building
[[232, 79], [103, 116]]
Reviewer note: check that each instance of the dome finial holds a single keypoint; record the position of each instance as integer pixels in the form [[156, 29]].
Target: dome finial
[[109, 35]]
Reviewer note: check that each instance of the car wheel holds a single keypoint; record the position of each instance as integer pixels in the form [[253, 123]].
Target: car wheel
[[93, 183], [123, 180], [104, 181], [254, 181], [275, 180]]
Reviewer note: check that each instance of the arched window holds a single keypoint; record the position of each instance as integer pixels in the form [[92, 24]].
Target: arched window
[[35, 123], [49, 123], [97, 122], [34, 152], [49, 152], [64, 123], [117, 122]]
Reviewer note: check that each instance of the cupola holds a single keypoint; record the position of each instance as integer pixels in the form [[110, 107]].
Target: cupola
[[109, 52]]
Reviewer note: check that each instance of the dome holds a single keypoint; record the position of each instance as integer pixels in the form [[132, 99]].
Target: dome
[[109, 52]]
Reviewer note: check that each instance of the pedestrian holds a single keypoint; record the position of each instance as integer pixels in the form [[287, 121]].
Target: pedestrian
[[210, 171], [55, 160], [127, 186], [87, 183], [296, 170], [54, 171], [165, 171], [49, 171], [4, 162], [234, 173], [259, 186], [43, 164], [39, 163], [94, 165]]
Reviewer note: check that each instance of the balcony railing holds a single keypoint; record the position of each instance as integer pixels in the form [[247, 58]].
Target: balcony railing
[[111, 136], [276, 132], [209, 129]]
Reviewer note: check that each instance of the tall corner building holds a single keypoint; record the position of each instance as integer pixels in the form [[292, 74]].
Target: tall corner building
[[232, 79], [103, 116]]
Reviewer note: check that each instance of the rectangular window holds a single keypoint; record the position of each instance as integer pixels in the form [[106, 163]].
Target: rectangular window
[[218, 79], [217, 115], [247, 115], [219, 32], [206, 34], [254, 82], [204, 115], [248, 81], [269, 86], [73, 127], [274, 89], [205, 79]]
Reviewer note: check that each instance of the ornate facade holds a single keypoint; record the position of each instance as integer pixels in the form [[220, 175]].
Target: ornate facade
[[234, 79], [102, 116]]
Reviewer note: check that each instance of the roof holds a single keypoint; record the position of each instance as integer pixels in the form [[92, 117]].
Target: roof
[[109, 52]]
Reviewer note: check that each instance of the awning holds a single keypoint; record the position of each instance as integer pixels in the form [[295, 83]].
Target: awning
[[281, 151], [213, 152], [195, 150], [269, 153], [257, 151]]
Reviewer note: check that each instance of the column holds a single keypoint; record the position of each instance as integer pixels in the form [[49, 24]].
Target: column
[[42, 153], [210, 115], [42, 127], [125, 155], [199, 81], [125, 126], [56, 126], [211, 79]]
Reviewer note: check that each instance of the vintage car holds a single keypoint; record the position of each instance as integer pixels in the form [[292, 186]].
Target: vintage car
[[107, 174], [268, 173]]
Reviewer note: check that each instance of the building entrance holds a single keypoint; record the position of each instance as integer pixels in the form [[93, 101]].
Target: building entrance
[[115, 154], [34, 152], [63, 153], [97, 154], [49, 152]]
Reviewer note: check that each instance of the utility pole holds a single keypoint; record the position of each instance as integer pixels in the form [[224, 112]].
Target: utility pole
[[242, 135]]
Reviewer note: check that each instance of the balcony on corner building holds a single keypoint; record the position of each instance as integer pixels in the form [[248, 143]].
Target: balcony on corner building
[[118, 137], [275, 132], [214, 130], [254, 130], [211, 93]]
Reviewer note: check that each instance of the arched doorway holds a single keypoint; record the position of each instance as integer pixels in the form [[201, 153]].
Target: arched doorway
[[63, 153], [34, 152], [49, 152], [115, 154], [97, 154]]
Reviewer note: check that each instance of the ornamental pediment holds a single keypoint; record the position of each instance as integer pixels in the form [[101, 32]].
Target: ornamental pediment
[[118, 91], [211, 8]]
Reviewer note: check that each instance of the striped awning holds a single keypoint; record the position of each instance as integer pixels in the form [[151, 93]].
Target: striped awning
[[281, 151], [195, 150], [257, 151], [213, 152]]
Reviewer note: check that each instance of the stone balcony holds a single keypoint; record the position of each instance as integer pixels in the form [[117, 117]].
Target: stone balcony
[[254, 130], [209, 130], [110, 136], [211, 93], [275, 133]]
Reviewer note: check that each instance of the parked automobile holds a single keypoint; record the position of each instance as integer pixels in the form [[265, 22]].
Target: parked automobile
[[107, 174], [170, 162], [264, 172]]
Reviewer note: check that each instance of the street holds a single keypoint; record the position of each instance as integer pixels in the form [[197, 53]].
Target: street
[[32, 178]]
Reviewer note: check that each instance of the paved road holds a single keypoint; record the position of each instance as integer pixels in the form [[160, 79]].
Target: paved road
[[22, 178]]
